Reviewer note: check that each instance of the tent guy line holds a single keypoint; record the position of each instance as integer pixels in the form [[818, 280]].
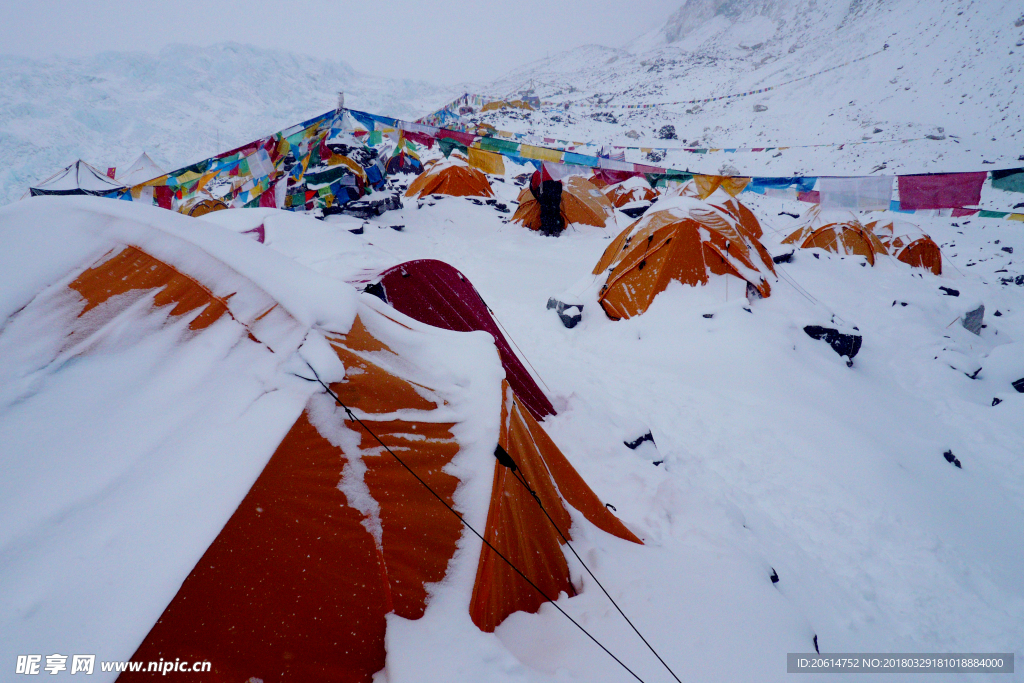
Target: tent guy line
[[352, 416], [521, 478]]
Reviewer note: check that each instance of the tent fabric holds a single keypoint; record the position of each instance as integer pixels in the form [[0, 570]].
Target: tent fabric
[[76, 179], [940, 190], [845, 235], [452, 177], [486, 162], [201, 206], [871, 193], [582, 203], [636, 189], [301, 543], [319, 535], [685, 240], [909, 244], [437, 294], [518, 528]]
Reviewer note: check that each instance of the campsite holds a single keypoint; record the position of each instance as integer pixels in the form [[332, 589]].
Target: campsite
[[680, 360]]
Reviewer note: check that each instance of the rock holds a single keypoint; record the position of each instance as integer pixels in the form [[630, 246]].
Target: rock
[[950, 292], [635, 443], [844, 344], [784, 258], [972, 319], [952, 459], [633, 135], [1019, 385], [667, 132], [569, 314], [996, 401], [760, 107], [1008, 250]]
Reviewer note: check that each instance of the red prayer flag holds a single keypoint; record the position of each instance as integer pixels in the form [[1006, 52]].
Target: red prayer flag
[[940, 190], [163, 194], [111, 171]]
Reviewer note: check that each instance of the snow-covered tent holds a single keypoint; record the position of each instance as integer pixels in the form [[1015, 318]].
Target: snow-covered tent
[[452, 176], [78, 178], [582, 204], [207, 499], [141, 170], [684, 240], [908, 243], [635, 189], [836, 231]]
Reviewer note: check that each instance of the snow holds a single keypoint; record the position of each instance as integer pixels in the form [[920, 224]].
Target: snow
[[770, 454]]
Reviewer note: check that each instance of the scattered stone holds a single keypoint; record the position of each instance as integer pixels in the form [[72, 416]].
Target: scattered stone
[[950, 292], [633, 135], [1019, 385], [952, 459], [1008, 250], [775, 576], [760, 107], [844, 344], [569, 314], [635, 443], [667, 132], [972, 319], [996, 401], [709, 315]]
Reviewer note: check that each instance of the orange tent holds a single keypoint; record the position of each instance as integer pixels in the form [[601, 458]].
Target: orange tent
[[636, 189], [451, 177], [200, 207], [299, 581], [582, 203], [685, 240], [908, 244], [844, 236], [334, 533]]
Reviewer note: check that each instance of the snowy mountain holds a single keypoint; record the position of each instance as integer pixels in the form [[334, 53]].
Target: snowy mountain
[[951, 71], [181, 105]]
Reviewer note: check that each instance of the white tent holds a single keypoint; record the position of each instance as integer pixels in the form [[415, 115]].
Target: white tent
[[141, 170], [78, 178]]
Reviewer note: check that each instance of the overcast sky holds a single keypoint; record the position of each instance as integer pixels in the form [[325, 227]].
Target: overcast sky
[[443, 42]]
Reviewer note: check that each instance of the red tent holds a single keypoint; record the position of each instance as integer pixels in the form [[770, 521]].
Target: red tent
[[435, 293]]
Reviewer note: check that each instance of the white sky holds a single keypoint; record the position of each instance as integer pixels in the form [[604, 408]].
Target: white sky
[[442, 42]]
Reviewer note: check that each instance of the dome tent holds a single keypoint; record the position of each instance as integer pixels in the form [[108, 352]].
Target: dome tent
[[242, 516], [686, 240], [452, 177], [435, 293], [582, 203], [908, 243], [836, 231]]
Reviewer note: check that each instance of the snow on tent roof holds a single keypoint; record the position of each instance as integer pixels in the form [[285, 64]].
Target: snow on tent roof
[[141, 170], [685, 240], [78, 178], [201, 497]]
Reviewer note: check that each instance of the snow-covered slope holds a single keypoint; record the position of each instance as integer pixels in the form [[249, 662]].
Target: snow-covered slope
[[181, 105], [951, 70]]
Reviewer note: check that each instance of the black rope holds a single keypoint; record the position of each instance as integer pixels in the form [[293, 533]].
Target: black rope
[[521, 477], [507, 561]]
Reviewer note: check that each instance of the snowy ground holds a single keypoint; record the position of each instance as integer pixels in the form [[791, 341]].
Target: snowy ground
[[776, 455]]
